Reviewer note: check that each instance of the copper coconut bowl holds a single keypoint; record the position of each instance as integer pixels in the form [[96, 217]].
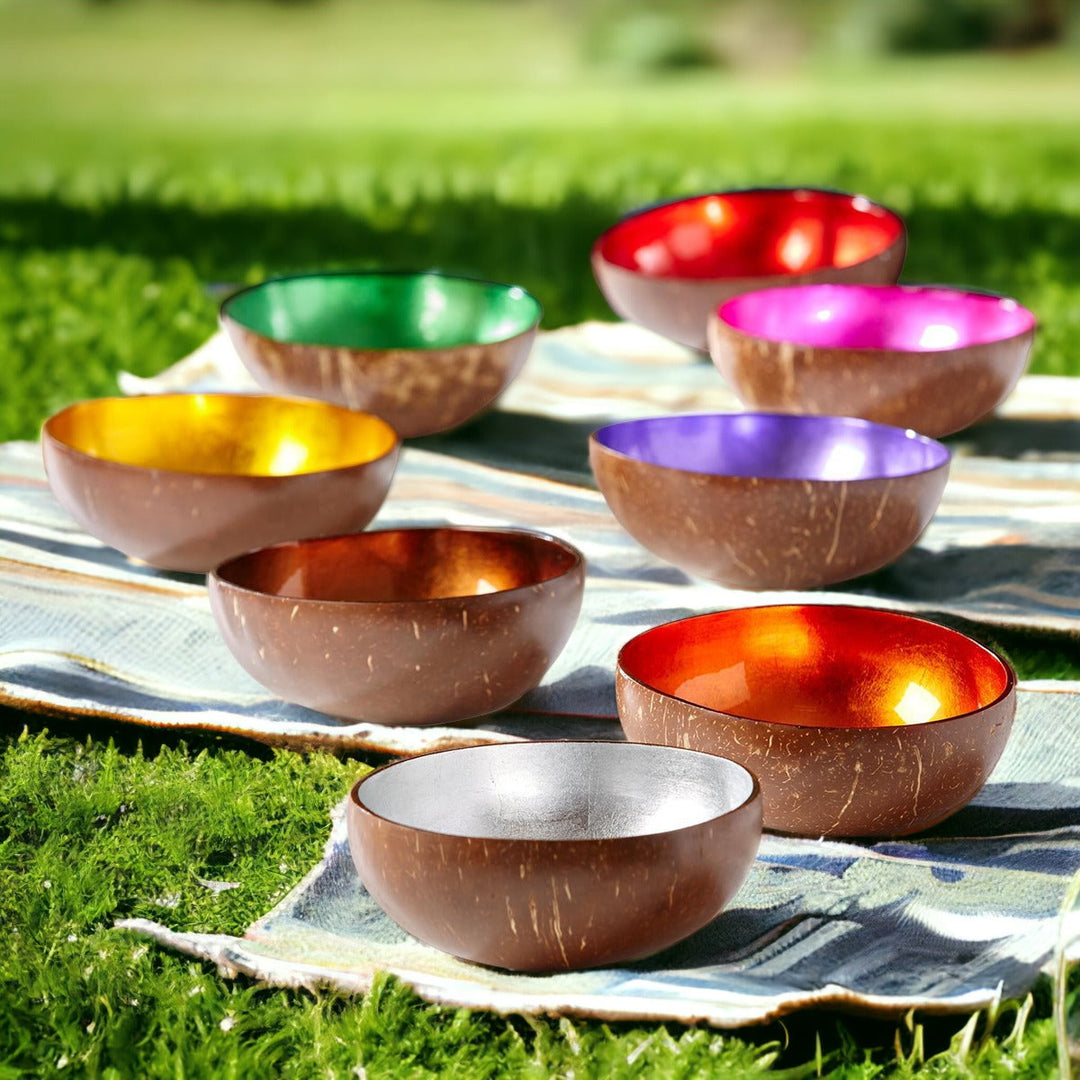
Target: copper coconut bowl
[[425, 351], [931, 359], [401, 626], [856, 722], [666, 267], [183, 481], [769, 501], [552, 856]]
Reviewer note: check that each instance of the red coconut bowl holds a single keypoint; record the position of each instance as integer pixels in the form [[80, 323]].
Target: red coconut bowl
[[667, 267], [856, 721]]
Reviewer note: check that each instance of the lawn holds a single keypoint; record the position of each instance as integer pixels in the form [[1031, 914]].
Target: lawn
[[150, 150]]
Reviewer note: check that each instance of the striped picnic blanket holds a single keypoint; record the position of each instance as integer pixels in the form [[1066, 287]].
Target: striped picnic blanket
[[944, 922]]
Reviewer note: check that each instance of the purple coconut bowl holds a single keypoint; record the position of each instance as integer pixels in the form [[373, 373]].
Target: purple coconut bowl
[[769, 500], [932, 359]]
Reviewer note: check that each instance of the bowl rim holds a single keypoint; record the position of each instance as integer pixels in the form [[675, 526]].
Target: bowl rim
[[599, 244], [754, 793], [258, 478], [717, 316], [225, 316], [813, 418], [873, 732], [215, 578]]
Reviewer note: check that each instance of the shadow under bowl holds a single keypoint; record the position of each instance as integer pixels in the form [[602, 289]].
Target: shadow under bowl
[[184, 481], [856, 721], [666, 267], [550, 856], [932, 359], [425, 351], [401, 626], [768, 500]]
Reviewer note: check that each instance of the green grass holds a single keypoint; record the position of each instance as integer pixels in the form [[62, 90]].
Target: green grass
[[96, 829], [146, 154], [148, 150]]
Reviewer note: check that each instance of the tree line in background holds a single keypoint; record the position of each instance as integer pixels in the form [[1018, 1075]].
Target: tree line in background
[[653, 36], [679, 34]]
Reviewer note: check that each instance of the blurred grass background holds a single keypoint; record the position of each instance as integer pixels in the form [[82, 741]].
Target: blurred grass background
[[152, 148]]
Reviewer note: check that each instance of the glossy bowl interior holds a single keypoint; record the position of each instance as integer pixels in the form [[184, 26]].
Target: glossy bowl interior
[[554, 855], [183, 481], [666, 267], [933, 359], [769, 500], [747, 234], [221, 434], [856, 721], [404, 626], [896, 318], [774, 446], [819, 666], [403, 565], [383, 310], [426, 351]]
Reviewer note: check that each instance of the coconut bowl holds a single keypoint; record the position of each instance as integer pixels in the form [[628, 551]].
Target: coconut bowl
[[184, 481], [425, 351], [932, 359], [767, 500], [553, 856], [856, 722], [667, 267], [401, 626]]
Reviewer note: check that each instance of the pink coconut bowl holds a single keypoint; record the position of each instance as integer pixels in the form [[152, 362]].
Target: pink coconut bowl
[[932, 359]]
